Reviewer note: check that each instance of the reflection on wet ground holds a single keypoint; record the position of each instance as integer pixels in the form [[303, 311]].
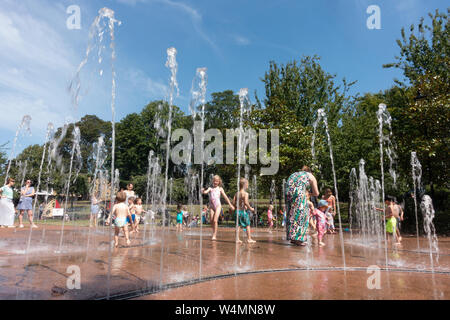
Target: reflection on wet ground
[[165, 265]]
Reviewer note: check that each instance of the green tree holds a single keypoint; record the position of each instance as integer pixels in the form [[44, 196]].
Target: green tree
[[222, 111], [294, 93], [425, 119]]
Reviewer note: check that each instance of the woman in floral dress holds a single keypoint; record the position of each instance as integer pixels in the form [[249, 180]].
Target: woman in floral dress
[[297, 204]]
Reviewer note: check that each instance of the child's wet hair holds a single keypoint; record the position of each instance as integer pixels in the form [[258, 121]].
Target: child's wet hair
[[131, 198], [242, 183], [121, 196], [217, 177], [136, 201], [179, 206]]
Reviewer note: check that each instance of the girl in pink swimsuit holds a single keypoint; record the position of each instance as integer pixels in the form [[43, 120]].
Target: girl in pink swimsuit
[[215, 192]]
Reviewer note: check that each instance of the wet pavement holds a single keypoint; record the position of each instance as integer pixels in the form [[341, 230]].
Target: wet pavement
[[163, 264]]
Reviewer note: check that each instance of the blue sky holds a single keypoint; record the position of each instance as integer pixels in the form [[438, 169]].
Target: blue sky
[[235, 40]]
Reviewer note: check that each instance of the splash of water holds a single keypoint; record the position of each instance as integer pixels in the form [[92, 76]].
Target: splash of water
[[75, 153], [22, 171], [197, 108], [172, 64], [364, 199], [99, 157], [383, 117], [25, 126], [170, 190], [116, 184], [153, 192], [353, 194], [96, 41], [416, 170], [48, 137], [245, 108], [322, 116], [54, 153], [428, 213]]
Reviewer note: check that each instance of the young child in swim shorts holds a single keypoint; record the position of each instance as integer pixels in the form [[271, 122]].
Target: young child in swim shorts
[[121, 212], [392, 213], [179, 217], [215, 192], [138, 213], [132, 208], [241, 210]]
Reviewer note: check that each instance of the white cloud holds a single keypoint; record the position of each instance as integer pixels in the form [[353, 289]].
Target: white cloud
[[35, 63], [130, 2], [194, 15], [241, 40], [154, 89]]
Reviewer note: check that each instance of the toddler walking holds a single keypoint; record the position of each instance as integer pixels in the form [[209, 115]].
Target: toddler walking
[[122, 213], [320, 220]]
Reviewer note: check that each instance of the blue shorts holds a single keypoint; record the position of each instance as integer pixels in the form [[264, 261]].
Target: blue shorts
[[133, 217]]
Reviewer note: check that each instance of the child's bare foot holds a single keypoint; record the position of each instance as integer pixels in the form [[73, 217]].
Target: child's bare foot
[[251, 241], [321, 244], [116, 245], [128, 242], [214, 238], [238, 241]]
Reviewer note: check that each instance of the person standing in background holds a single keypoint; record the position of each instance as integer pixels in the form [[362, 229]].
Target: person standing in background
[[26, 203]]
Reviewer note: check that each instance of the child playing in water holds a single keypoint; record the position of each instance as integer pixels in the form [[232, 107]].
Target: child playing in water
[[392, 213], [94, 210], [320, 220], [241, 210], [331, 212], [215, 192], [138, 213], [122, 213], [185, 216], [399, 219], [204, 213], [179, 217], [270, 218], [132, 208]]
